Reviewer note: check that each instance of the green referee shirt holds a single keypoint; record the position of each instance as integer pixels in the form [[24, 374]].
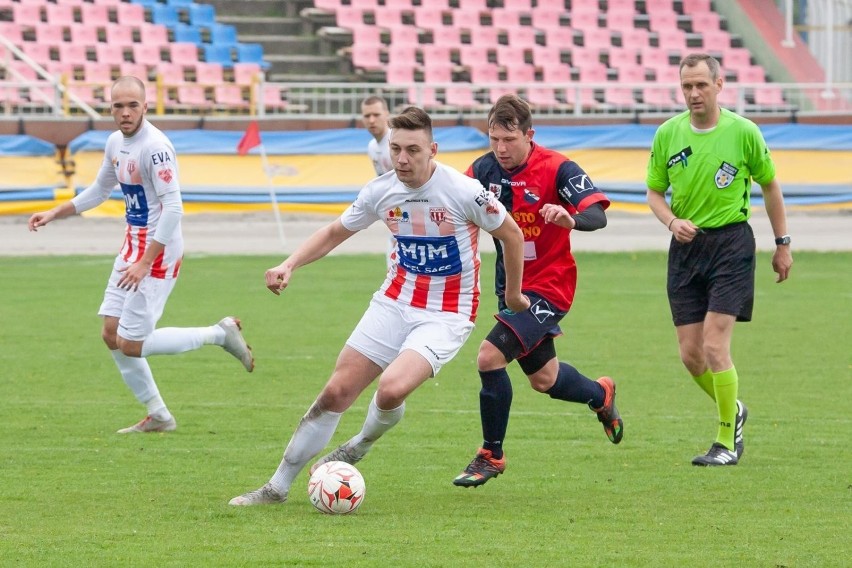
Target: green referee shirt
[[709, 172]]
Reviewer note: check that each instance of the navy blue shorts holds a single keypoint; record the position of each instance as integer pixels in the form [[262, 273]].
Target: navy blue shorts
[[713, 273], [528, 335]]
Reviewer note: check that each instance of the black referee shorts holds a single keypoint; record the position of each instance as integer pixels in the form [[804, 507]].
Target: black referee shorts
[[713, 273]]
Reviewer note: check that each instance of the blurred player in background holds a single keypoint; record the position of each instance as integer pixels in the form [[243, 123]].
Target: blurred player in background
[[141, 160], [424, 311], [709, 157], [375, 116], [549, 196]]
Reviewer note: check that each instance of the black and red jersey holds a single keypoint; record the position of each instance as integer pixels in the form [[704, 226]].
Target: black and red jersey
[[546, 177]]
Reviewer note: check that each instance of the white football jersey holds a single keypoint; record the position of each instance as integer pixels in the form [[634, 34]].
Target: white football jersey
[[379, 153], [436, 227], [144, 167]]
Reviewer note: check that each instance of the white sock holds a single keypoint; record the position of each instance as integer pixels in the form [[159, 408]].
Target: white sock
[[138, 377], [171, 340], [312, 434], [378, 422], [157, 409]]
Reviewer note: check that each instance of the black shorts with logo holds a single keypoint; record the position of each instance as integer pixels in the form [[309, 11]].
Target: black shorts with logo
[[713, 273], [528, 336]]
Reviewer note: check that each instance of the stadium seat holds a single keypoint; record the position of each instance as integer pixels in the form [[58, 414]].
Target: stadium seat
[[769, 96], [246, 73], [484, 73], [659, 97], [107, 53], [439, 53], [203, 15], [221, 54], [147, 54], [366, 56], [82, 34], [484, 36], [388, 17], [118, 36], [129, 14], [12, 31], [154, 34], [138, 70], [399, 74], [97, 73], [600, 38], [631, 74], [60, 14], [735, 58], [40, 53], [251, 53], [704, 21], [187, 34], [230, 97], [49, 34], [404, 35], [424, 97], [672, 40], [523, 37], [193, 96], [274, 98], [446, 36], [520, 74], [223, 34], [751, 74], [429, 17], [715, 40], [621, 57], [94, 14], [165, 15], [495, 93], [209, 73], [510, 55], [556, 73], [584, 20], [620, 19], [434, 72], [619, 96], [461, 96], [171, 74], [366, 35], [550, 20], [508, 18], [473, 54], [584, 97], [72, 53], [28, 14], [637, 38], [542, 97], [183, 53], [691, 6]]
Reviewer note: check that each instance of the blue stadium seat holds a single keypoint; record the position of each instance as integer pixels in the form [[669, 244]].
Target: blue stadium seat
[[221, 54], [223, 34], [165, 15], [187, 34], [202, 15], [251, 53], [179, 3]]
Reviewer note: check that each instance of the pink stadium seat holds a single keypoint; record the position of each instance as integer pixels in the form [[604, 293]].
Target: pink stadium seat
[[230, 96], [118, 36], [37, 51], [405, 35], [547, 54], [704, 21], [671, 39], [446, 36], [654, 57], [438, 72], [59, 14], [436, 53], [95, 14], [171, 74], [64, 69], [473, 54], [495, 93], [662, 20], [769, 96], [715, 40], [209, 73], [365, 4], [556, 73], [138, 70], [469, 17], [183, 52], [461, 96], [154, 34], [631, 74], [659, 96], [82, 34], [735, 58], [387, 17], [12, 31], [619, 96], [728, 97], [522, 37], [620, 6], [592, 71], [424, 97], [620, 19], [691, 6], [474, 4], [71, 53], [751, 74], [667, 75], [130, 14], [507, 18], [346, 15], [520, 74], [246, 73], [97, 73], [49, 34], [585, 98], [510, 55], [405, 54], [549, 19], [635, 37], [600, 38], [484, 36], [428, 17], [622, 57], [366, 35], [147, 54], [399, 74], [584, 19], [28, 14], [542, 97], [484, 73], [194, 96], [366, 56]]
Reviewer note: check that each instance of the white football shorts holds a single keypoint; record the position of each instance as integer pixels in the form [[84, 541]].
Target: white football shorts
[[138, 311], [388, 327]]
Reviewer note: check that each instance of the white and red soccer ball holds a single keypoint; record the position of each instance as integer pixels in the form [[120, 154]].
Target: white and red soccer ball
[[336, 488]]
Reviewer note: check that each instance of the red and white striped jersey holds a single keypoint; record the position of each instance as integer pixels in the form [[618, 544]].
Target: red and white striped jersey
[[144, 167], [436, 227]]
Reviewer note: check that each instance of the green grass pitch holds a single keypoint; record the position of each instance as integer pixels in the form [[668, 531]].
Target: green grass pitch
[[73, 493]]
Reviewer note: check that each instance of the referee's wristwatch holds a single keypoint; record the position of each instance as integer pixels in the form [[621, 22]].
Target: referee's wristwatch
[[785, 240]]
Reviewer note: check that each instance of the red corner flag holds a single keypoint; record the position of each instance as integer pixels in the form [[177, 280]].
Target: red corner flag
[[250, 139]]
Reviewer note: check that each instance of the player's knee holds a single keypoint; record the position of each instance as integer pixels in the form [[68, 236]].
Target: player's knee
[[489, 357], [541, 381], [129, 348]]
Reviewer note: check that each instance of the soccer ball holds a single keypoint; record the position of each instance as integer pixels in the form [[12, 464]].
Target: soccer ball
[[336, 488]]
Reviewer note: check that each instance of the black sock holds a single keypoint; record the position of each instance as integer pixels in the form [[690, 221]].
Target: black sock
[[573, 386], [495, 400]]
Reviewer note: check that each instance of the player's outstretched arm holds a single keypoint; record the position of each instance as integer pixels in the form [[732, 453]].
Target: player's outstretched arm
[[42, 218], [317, 246], [512, 238]]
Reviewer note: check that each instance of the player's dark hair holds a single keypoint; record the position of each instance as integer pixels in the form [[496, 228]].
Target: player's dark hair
[[412, 118], [511, 112], [694, 59], [373, 99]]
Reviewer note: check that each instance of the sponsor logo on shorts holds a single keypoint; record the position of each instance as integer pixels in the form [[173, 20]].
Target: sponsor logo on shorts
[[542, 310]]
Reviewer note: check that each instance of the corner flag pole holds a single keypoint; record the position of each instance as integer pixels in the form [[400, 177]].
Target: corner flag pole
[[272, 197]]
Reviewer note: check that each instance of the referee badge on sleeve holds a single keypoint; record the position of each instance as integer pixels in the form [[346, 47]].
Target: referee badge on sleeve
[[725, 175]]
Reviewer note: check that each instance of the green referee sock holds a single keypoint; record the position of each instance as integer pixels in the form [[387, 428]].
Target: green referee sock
[[725, 386], [705, 381]]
